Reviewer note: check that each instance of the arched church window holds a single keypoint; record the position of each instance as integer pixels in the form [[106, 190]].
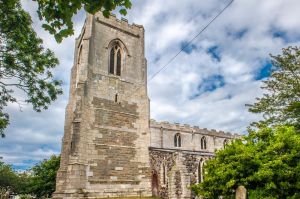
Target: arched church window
[[203, 142], [177, 140], [115, 60]]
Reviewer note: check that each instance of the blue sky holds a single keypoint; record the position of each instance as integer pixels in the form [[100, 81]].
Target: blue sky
[[207, 85]]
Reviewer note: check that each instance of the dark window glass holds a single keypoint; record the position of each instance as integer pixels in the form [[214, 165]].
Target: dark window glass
[[116, 98], [112, 61], [119, 63], [203, 143]]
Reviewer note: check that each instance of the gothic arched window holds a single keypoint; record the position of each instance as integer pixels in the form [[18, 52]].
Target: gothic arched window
[[203, 142], [115, 60], [177, 140]]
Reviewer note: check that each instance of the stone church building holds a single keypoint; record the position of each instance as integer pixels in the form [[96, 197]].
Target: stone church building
[[111, 147]]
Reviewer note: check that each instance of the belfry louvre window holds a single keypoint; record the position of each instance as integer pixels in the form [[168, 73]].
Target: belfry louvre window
[[203, 142], [115, 60], [177, 140]]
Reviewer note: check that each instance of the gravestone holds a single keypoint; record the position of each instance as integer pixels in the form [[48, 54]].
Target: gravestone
[[241, 192]]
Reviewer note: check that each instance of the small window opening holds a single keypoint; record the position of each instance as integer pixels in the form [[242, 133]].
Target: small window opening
[[177, 140], [116, 97], [203, 142]]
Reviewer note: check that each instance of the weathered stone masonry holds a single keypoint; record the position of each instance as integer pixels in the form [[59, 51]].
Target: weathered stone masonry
[[110, 147], [179, 167]]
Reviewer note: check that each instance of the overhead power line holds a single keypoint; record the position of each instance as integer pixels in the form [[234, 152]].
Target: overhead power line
[[185, 46], [189, 42]]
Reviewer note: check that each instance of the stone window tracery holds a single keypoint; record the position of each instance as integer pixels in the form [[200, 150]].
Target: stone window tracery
[[203, 142], [177, 140], [115, 60]]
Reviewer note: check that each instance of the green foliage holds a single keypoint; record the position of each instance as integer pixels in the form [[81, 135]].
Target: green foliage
[[58, 14], [280, 105], [10, 180], [42, 182], [266, 162], [24, 63]]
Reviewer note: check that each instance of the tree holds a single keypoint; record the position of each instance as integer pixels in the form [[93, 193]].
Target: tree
[[43, 179], [266, 162], [24, 63], [58, 14], [281, 103], [8, 179]]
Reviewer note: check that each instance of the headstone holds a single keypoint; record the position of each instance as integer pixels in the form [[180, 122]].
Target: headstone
[[241, 193]]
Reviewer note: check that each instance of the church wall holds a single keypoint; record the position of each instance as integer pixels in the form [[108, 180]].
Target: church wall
[[163, 133], [178, 168]]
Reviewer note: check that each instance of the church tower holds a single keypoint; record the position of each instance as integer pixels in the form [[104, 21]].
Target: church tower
[[106, 139]]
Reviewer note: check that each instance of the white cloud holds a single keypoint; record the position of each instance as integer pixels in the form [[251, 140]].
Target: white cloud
[[243, 36]]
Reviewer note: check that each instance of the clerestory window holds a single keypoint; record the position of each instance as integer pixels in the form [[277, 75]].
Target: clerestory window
[[115, 60], [177, 140], [203, 142]]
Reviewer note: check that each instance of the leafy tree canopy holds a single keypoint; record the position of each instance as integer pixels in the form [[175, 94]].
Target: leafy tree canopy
[[281, 103], [58, 14], [266, 162], [25, 65], [10, 180], [43, 180]]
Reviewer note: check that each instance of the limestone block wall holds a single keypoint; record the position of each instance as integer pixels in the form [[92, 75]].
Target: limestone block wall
[[105, 149], [175, 169], [163, 134]]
